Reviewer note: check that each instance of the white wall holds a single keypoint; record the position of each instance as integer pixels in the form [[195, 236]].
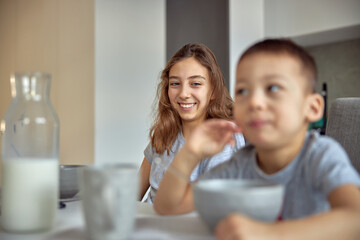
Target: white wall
[[314, 22], [129, 56], [246, 23]]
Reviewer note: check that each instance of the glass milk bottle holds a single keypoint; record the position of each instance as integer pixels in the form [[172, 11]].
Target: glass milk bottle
[[30, 150]]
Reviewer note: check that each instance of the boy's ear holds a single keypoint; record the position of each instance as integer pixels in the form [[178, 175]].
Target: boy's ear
[[315, 108]]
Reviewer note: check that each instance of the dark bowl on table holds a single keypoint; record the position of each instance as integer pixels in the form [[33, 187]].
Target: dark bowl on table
[[68, 180]]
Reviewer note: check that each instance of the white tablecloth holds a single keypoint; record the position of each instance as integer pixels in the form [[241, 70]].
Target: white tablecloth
[[70, 226]]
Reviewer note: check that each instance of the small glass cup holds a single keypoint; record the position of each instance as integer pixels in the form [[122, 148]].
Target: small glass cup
[[109, 199]]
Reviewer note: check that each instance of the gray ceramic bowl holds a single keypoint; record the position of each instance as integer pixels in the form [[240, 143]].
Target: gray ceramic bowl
[[69, 186], [217, 198]]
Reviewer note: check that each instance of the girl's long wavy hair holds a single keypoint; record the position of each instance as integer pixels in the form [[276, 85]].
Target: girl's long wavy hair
[[167, 122]]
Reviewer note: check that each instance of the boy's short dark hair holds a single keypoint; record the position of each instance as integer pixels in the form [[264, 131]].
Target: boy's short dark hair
[[286, 46]]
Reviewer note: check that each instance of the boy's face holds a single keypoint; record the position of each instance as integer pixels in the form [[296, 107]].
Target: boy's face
[[272, 105]]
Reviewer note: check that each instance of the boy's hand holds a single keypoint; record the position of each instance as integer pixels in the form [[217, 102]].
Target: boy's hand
[[238, 227], [210, 138]]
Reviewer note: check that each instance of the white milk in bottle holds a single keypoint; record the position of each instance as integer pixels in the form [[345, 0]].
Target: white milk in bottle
[[30, 190]]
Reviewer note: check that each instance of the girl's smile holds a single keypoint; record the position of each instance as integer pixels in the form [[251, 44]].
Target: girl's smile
[[187, 106]]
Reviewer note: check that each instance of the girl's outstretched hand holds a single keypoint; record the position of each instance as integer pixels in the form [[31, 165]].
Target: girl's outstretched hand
[[210, 137]]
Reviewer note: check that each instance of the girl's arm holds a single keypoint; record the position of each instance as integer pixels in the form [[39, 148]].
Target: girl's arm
[[341, 222], [174, 195], [144, 173]]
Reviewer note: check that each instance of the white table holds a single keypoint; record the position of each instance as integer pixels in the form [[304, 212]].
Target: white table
[[70, 226]]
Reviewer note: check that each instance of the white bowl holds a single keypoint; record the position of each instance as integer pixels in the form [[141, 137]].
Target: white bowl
[[215, 199], [69, 186]]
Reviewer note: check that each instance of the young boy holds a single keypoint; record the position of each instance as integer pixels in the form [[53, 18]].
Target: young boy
[[274, 103]]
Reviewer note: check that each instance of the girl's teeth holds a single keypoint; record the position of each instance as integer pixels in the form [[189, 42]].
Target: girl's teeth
[[187, 105]]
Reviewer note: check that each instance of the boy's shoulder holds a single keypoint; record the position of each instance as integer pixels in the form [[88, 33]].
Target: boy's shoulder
[[325, 163], [321, 152], [320, 143]]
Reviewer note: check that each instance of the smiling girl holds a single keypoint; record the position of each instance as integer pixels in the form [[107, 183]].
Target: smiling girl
[[191, 90]]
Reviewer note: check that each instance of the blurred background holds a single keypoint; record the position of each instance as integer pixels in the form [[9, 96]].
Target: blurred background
[[106, 56]]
